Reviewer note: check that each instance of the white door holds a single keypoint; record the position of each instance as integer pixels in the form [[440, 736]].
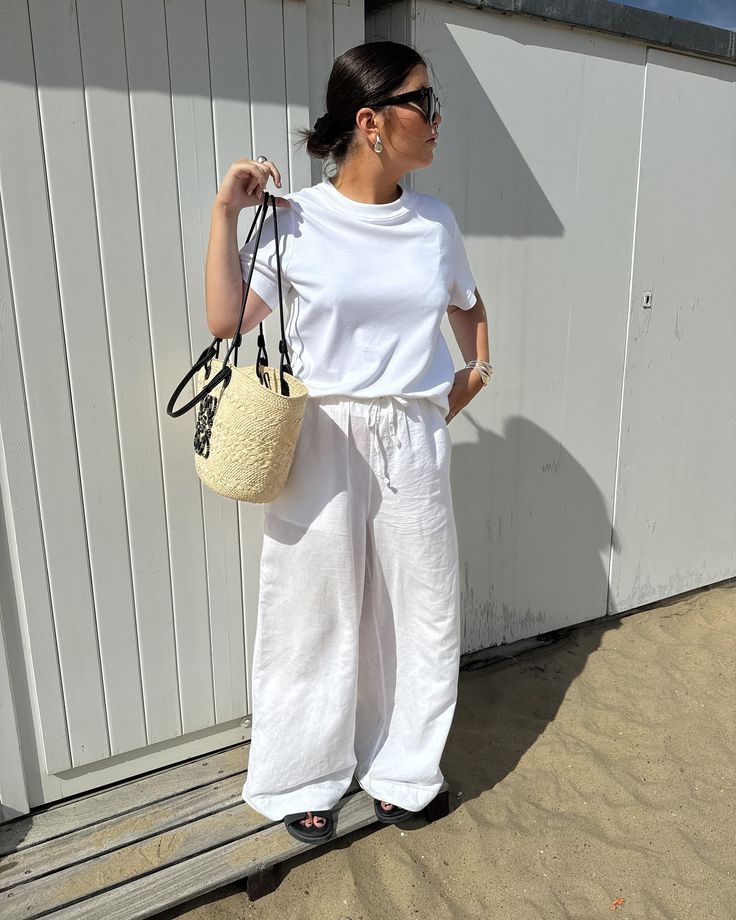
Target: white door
[[674, 517]]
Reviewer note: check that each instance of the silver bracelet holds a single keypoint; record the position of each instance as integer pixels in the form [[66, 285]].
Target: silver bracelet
[[484, 369]]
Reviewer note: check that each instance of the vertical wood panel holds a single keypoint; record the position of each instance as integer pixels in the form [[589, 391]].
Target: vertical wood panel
[[269, 126], [229, 78], [14, 453], [231, 94], [267, 81], [148, 76], [321, 44], [41, 341], [113, 172], [28, 279], [13, 794], [232, 139], [187, 30], [297, 90], [229, 82]]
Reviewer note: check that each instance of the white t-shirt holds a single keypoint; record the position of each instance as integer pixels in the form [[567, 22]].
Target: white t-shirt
[[365, 287]]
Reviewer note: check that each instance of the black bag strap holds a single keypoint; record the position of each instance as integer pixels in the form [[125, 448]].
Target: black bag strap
[[213, 350]]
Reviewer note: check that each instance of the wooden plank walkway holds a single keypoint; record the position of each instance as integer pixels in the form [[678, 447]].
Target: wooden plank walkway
[[140, 847]]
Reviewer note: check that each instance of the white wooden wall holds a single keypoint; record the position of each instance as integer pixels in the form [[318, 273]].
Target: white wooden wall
[[130, 613], [596, 473]]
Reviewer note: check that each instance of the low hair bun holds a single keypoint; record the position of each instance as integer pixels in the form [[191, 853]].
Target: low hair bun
[[322, 128]]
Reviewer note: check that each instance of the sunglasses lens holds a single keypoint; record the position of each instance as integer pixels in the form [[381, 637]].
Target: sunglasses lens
[[427, 105]]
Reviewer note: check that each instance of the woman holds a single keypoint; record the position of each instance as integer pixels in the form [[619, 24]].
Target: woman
[[357, 641]]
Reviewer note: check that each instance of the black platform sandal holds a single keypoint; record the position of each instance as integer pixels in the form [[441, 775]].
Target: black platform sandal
[[311, 834], [391, 817]]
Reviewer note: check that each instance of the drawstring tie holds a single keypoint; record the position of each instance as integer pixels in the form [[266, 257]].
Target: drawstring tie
[[373, 415]]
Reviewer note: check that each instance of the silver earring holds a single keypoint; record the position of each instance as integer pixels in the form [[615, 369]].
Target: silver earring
[[378, 146]]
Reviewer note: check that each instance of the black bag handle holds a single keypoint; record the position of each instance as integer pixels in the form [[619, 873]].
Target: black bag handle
[[213, 350]]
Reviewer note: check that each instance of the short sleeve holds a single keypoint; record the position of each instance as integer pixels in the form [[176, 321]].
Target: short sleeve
[[462, 288], [265, 274]]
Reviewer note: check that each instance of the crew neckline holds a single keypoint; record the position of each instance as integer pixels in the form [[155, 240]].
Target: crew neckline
[[373, 212]]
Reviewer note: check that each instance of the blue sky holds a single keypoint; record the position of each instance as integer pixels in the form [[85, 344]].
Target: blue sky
[[721, 13]]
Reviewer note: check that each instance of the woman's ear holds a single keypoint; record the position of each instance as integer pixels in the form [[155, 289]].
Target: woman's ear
[[367, 120]]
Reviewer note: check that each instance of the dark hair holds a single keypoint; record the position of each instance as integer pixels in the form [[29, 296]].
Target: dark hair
[[368, 72]]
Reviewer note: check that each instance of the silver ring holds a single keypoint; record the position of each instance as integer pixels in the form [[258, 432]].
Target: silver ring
[[261, 159]]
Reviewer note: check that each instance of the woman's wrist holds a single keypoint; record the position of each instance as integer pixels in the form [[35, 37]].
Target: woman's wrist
[[227, 211], [482, 369], [476, 376]]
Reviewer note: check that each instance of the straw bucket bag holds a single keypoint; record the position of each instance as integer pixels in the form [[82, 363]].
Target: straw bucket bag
[[249, 418]]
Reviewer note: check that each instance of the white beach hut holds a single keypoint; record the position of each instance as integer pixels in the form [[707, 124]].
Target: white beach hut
[[590, 165]]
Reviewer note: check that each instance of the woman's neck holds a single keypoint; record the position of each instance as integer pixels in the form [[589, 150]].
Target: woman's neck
[[367, 189]]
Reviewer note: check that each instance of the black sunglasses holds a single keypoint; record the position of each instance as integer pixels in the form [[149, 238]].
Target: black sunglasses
[[426, 97]]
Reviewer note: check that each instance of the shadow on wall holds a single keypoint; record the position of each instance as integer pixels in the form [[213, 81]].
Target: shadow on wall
[[534, 535], [511, 202]]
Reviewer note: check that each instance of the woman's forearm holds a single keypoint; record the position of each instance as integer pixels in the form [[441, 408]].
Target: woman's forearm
[[223, 279], [470, 328]]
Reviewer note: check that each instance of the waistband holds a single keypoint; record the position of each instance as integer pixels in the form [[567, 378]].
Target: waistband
[[375, 409], [364, 400]]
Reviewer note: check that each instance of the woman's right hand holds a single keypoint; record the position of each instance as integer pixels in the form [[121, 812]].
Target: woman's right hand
[[243, 185]]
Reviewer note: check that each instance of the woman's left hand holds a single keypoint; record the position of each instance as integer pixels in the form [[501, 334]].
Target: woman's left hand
[[467, 384]]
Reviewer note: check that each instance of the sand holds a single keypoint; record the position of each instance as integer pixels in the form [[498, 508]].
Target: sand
[[589, 778]]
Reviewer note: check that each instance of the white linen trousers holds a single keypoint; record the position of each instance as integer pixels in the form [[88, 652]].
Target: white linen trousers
[[357, 645]]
